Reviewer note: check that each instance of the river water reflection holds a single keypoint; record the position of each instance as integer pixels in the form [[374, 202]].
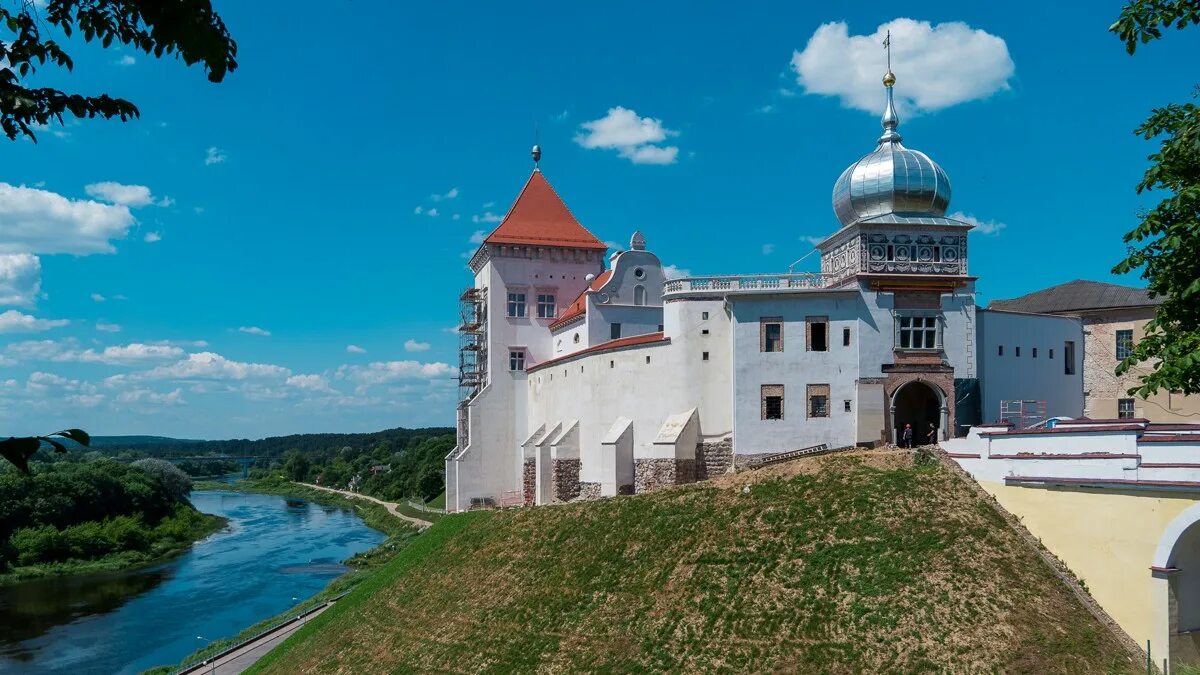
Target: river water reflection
[[274, 550]]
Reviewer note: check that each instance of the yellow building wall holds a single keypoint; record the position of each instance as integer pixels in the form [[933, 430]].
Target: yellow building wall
[[1102, 387], [1106, 538]]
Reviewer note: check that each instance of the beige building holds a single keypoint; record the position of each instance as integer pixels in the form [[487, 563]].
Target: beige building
[[1114, 318]]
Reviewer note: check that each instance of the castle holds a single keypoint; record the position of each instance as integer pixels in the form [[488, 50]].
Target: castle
[[591, 375]]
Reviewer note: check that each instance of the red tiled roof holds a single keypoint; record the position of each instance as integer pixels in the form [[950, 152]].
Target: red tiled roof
[[611, 345], [579, 307], [1170, 438], [540, 218], [1173, 426]]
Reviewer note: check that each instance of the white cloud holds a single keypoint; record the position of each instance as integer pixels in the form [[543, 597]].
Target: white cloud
[[254, 330], [675, 272], [310, 383], [383, 372], [97, 297], [768, 108], [104, 327], [20, 278], [214, 155], [418, 211], [126, 60], [40, 221], [152, 237], [812, 240], [211, 366], [135, 352], [432, 213], [149, 396], [414, 346], [13, 321], [486, 217], [633, 137], [488, 205], [34, 350], [768, 249], [936, 66], [455, 217], [134, 196], [477, 237], [355, 349], [451, 194], [989, 227]]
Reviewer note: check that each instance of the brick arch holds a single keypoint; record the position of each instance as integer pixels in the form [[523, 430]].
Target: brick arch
[[942, 384]]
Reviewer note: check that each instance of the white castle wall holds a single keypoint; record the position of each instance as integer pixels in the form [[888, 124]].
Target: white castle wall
[[1025, 377]]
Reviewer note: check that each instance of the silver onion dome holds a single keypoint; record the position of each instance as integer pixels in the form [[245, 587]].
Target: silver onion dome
[[892, 180]]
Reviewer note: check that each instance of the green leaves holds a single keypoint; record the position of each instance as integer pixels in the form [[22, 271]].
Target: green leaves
[[190, 29], [1143, 20], [19, 450]]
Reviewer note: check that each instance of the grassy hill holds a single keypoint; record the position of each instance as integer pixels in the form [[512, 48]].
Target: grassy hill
[[861, 563]]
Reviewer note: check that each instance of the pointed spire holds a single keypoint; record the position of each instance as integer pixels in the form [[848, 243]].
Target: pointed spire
[[890, 119]]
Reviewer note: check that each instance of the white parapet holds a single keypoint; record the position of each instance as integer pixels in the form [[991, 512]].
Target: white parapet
[[615, 457]]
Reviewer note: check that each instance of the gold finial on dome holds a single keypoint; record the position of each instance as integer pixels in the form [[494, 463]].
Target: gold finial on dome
[[889, 79]]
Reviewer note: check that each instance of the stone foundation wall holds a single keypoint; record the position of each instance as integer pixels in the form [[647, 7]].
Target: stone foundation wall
[[714, 459], [589, 490], [529, 480], [626, 489], [652, 474], [564, 476]]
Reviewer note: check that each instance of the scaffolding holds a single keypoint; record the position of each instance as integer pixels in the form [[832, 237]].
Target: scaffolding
[[472, 353], [1023, 414]]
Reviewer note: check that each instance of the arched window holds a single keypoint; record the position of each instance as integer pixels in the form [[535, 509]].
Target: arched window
[[639, 295]]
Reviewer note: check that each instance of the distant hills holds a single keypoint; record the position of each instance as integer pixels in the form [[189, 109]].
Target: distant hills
[[266, 447]]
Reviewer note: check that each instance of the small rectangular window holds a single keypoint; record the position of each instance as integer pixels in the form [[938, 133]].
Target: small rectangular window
[[1124, 344], [516, 305], [612, 364], [704, 356], [1000, 350], [771, 335], [1125, 408], [704, 316], [647, 359], [516, 360], [818, 400], [1051, 355], [772, 401], [1068, 358], [845, 337], [614, 331], [1018, 352], [545, 306], [818, 333], [846, 404], [704, 331], [1034, 352]]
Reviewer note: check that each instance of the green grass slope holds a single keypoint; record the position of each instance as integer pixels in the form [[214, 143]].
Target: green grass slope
[[863, 563]]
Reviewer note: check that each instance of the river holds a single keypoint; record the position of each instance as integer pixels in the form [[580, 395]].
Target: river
[[276, 552]]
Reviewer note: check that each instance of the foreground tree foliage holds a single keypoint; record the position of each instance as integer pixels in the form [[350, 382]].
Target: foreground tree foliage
[[189, 29], [1165, 246], [19, 450]]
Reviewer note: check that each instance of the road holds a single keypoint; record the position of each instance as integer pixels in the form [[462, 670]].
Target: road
[[390, 506], [245, 656]]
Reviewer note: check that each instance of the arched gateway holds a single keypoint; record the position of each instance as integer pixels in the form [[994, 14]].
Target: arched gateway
[[919, 403]]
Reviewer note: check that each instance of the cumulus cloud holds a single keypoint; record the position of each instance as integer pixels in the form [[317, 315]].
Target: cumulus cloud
[[149, 396], [254, 330], [768, 249], [212, 366], [310, 383], [13, 321], [40, 221], [633, 137], [813, 240], [20, 278], [414, 346], [936, 66], [989, 227], [98, 298], [477, 237], [105, 327], [383, 372], [486, 217], [126, 60], [452, 193], [355, 349], [134, 196], [68, 351], [214, 155], [152, 237], [675, 272]]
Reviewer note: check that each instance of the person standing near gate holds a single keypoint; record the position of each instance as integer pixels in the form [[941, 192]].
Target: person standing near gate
[[931, 435], [906, 437]]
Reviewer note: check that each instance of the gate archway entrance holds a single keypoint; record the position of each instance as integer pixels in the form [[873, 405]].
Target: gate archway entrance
[[920, 404]]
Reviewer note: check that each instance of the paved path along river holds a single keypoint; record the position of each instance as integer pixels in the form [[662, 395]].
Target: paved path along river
[[391, 506], [275, 550]]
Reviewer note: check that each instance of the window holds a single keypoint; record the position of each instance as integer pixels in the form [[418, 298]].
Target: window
[[660, 326], [704, 356], [918, 332], [516, 359], [1051, 354], [704, 331], [846, 405], [1124, 408], [772, 401], [639, 295], [1068, 358], [818, 400], [647, 359], [1000, 351], [704, 316], [516, 305], [771, 335], [818, 333], [576, 338], [845, 337], [639, 273], [1018, 352], [1124, 344], [1035, 352], [545, 306], [614, 331]]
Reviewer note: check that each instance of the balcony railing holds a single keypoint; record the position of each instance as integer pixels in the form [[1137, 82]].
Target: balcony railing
[[747, 282]]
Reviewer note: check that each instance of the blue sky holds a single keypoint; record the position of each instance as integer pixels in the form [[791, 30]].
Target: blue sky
[[285, 200]]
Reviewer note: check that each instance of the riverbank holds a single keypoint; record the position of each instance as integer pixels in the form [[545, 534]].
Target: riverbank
[[170, 537]]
